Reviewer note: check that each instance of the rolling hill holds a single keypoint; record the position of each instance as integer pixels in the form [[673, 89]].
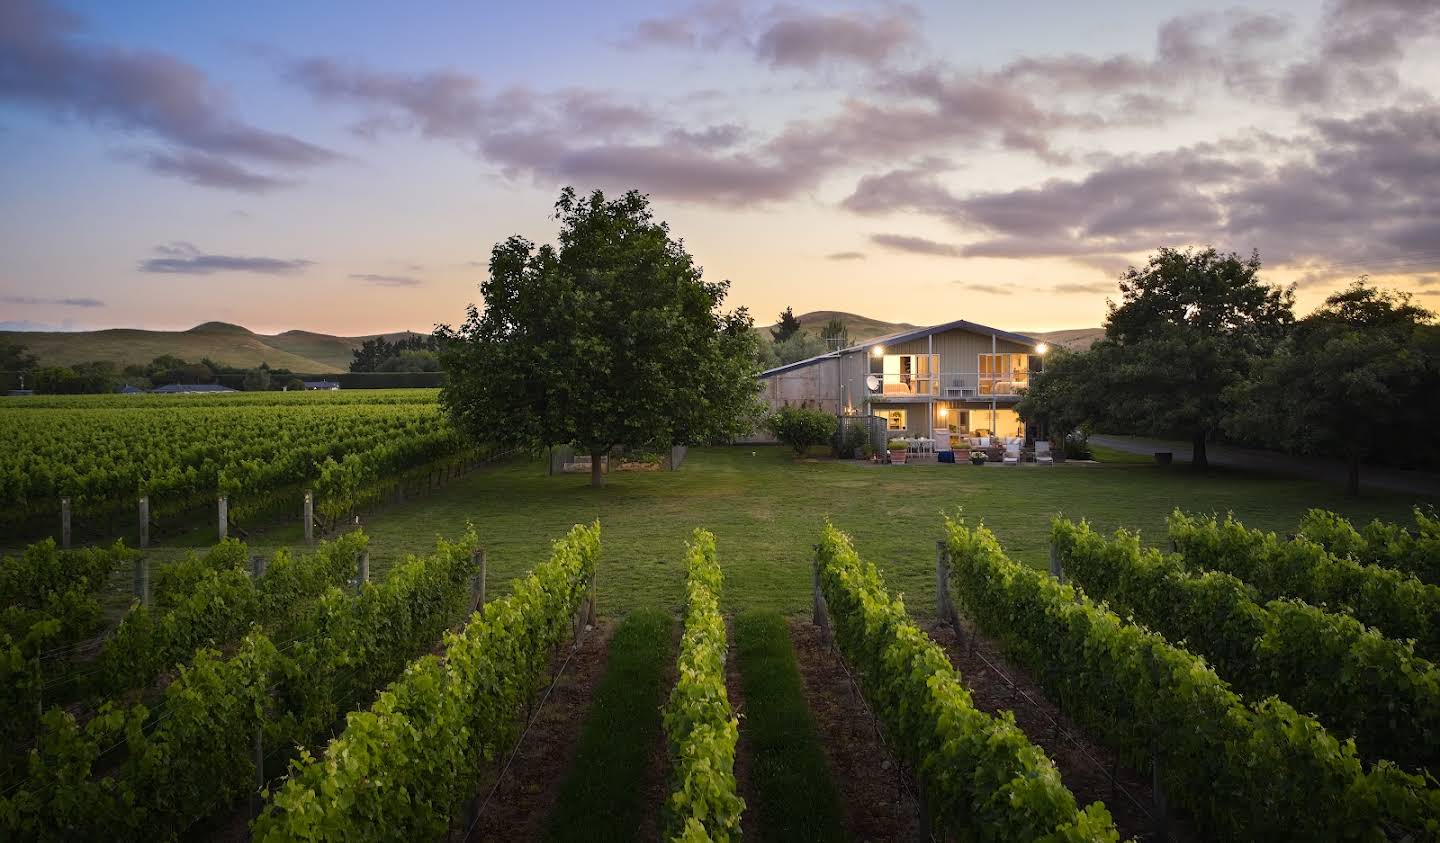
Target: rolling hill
[[232, 345], [863, 328]]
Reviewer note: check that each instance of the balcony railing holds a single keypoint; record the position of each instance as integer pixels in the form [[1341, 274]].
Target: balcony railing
[[952, 386]]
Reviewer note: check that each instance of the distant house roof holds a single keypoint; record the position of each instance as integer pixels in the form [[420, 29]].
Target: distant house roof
[[321, 384], [904, 336], [22, 392], [175, 388], [127, 389]]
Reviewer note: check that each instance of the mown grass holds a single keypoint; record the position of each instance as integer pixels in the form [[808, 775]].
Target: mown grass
[[603, 795], [1114, 455], [794, 790], [766, 508]]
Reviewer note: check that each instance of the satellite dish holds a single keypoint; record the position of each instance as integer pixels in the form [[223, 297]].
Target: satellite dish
[[873, 383]]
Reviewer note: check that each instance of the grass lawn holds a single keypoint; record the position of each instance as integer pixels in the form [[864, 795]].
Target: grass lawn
[[603, 796], [766, 510], [787, 765], [1115, 455]]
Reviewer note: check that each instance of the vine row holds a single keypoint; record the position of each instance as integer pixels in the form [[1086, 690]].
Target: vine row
[[700, 727], [1241, 772], [981, 777]]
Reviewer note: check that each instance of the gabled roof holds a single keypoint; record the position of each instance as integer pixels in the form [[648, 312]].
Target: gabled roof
[[904, 336], [921, 333], [321, 384]]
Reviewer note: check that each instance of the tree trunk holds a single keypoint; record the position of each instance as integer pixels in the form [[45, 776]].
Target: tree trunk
[[1197, 457], [596, 478], [1352, 473]]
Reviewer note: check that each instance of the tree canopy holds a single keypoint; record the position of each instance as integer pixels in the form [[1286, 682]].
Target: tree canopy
[[1191, 324], [612, 337], [1354, 376], [786, 326]]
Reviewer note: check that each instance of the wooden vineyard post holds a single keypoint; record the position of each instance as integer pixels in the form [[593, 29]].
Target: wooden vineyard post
[[818, 598], [1055, 570], [257, 567], [309, 516], [65, 523], [142, 580], [363, 575], [222, 512], [1162, 819], [944, 606], [590, 602], [257, 802], [477, 579], [145, 521]]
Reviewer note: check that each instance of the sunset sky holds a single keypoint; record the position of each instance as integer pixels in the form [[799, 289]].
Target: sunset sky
[[346, 167]]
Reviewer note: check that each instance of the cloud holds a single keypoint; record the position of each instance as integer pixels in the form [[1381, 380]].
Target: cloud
[[49, 62], [212, 171], [1068, 288], [28, 325], [387, 280], [69, 302], [1358, 194], [987, 289], [802, 39], [915, 245], [185, 259], [845, 256]]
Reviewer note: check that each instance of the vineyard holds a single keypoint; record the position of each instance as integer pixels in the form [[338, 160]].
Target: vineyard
[[1231, 684], [100, 454]]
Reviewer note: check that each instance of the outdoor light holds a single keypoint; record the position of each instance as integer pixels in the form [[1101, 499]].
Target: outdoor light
[[878, 350], [1041, 348], [944, 411]]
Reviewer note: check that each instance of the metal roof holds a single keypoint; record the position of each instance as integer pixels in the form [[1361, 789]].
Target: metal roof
[[904, 336], [192, 387]]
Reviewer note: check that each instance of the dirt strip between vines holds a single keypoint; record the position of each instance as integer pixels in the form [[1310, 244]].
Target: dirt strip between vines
[[1068, 746], [520, 806], [877, 805]]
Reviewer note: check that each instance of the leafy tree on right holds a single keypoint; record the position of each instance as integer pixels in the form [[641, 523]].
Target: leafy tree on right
[[1357, 375]]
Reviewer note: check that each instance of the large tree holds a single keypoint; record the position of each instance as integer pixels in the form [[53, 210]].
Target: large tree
[[612, 337], [1190, 325], [1354, 376]]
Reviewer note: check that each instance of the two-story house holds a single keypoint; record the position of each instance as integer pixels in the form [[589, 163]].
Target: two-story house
[[959, 375]]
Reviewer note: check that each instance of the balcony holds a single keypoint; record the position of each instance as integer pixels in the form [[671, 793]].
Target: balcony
[[947, 386]]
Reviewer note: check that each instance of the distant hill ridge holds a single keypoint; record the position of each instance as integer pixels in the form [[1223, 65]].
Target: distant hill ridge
[[223, 342], [313, 352], [863, 328]]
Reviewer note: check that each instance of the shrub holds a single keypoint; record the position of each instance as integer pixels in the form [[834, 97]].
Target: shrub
[[800, 428], [855, 438]]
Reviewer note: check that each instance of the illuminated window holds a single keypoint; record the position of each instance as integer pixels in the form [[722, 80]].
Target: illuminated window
[[894, 419]]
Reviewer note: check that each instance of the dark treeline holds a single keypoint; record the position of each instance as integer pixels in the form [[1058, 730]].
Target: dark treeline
[[1200, 348]]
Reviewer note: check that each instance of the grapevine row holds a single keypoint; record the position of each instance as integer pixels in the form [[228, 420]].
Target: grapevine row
[[1242, 772], [981, 777], [195, 758], [401, 769], [181, 457], [700, 727], [1389, 545], [1396, 603], [51, 601], [1356, 681]]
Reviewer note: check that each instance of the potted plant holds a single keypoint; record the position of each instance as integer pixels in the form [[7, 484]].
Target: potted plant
[[897, 448], [977, 457]]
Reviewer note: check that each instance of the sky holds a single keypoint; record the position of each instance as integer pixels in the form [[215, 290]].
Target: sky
[[347, 167]]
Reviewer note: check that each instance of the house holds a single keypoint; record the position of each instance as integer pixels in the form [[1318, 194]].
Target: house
[[321, 384], [127, 389], [959, 375], [191, 389]]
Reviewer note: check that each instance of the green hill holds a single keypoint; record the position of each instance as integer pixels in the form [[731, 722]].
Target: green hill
[[232, 345]]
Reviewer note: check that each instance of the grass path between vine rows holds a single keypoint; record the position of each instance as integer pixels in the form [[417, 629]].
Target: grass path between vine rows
[[794, 791], [608, 793]]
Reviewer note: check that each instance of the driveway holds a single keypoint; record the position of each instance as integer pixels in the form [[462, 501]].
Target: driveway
[[1383, 478]]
